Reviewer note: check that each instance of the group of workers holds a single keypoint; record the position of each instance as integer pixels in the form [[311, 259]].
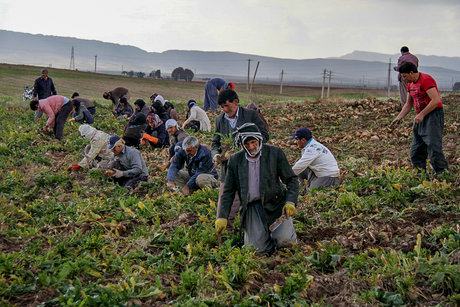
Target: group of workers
[[257, 181]]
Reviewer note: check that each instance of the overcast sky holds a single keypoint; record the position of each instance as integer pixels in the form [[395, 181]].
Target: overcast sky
[[299, 29]]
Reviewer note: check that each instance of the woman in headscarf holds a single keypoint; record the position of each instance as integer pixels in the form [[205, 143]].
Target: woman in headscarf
[[158, 109], [124, 109], [198, 119], [141, 107], [155, 134], [172, 113], [134, 130]]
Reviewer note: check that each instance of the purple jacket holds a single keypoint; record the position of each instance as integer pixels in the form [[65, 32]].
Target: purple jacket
[[406, 57]]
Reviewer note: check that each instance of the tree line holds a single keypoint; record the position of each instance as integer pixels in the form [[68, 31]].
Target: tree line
[[177, 74]]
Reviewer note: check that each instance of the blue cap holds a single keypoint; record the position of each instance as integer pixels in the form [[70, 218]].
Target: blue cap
[[113, 139], [301, 133]]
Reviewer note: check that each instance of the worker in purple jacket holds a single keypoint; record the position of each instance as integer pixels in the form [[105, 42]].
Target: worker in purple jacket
[[405, 57]]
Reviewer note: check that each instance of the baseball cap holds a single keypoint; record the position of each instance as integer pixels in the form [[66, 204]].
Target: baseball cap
[[302, 133], [113, 140]]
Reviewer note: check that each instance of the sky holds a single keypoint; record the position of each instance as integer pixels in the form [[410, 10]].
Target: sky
[[297, 29]]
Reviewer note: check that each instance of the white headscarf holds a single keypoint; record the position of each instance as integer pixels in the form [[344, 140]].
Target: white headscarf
[[87, 131], [160, 99]]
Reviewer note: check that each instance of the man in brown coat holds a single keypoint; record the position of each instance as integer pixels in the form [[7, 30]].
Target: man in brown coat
[[116, 94]]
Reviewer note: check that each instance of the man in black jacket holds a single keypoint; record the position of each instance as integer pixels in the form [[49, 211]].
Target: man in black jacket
[[226, 124], [268, 189], [43, 88]]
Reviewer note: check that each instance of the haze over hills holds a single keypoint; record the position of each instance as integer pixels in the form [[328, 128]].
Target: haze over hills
[[358, 68]]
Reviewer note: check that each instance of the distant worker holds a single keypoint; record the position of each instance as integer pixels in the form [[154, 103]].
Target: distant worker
[[428, 127], [212, 89], [268, 188], [96, 154], [86, 102], [199, 172], [43, 88], [124, 109], [198, 119], [172, 113], [140, 107], [406, 57], [134, 130], [317, 164], [57, 108], [115, 95], [80, 113], [127, 166], [160, 110]]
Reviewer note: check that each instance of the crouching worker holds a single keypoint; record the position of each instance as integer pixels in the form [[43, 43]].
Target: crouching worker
[[80, 113], [176, 135], [96, 154], [200, 171], [155, 134], [317, 164], [127, 167], [267, 188]]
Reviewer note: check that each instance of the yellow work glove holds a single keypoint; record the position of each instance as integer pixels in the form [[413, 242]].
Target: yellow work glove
[[289, 210], [71, 120], [221, 224]]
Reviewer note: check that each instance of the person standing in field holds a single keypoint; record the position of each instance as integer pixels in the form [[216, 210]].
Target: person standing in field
[[226, 124], [43, 88], [57, 108], [423, 94], [405, 57], [212, 89]]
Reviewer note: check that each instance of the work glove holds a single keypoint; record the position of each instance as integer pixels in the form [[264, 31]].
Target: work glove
[[71, 120], [289, 209], [74, 168], [117, 173], [150, 138], [221, 224], [217, 159]]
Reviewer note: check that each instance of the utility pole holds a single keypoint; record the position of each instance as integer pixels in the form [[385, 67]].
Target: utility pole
[[253, 79], [122, 69], [389, 78], [281, 84], [72, 60], [329, 83], [95, 63], [324, 82], [249, 69]]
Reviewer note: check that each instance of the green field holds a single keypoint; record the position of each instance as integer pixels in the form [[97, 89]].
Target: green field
[[386, 236]]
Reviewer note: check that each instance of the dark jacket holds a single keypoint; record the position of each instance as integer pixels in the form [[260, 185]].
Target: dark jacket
[[133, 132], [223, 128], [44, 88], [201, 163], [160, 133], [126, 110], [116, 94], [274, 171], [82, 115], [86, 102]]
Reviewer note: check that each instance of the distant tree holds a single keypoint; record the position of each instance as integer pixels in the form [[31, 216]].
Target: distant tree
[[182, 74], [177, 73], [152, 74], [456, 86], [158, 74], [131, 73], [140, 74], [124, 73], [188, 75]]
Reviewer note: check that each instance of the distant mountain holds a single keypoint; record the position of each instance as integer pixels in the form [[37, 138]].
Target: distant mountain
[[431, 60], [355, 69]]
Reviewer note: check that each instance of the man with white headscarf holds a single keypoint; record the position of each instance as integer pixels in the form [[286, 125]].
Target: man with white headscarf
[[267, 188], [96, 153]]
